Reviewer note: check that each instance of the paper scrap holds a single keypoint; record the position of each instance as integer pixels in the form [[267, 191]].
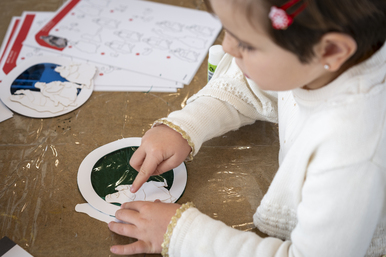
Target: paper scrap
[[94, 213], [5, 113], [8, 248]]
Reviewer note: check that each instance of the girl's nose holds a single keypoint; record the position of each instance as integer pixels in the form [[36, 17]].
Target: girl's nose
[[230, 46]]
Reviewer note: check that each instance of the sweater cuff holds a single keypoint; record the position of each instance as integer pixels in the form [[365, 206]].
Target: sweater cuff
[[179, 130], [171, 226]]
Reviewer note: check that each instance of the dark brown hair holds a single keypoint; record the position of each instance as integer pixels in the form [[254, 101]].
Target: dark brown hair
[[363, 20]]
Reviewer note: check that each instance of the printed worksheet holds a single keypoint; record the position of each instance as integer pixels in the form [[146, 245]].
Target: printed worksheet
[[5, 113], [13, 25], [108, 78], [156, 39]]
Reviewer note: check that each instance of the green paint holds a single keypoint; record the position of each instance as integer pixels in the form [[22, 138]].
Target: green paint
[[114, 169]]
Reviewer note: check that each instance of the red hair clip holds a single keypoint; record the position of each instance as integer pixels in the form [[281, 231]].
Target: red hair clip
[[279, 17]]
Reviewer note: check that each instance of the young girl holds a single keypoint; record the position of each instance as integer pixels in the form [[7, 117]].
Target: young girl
[[326, 60]]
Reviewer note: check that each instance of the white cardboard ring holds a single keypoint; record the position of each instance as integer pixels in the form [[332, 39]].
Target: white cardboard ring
[[85, 169], [5, 87]]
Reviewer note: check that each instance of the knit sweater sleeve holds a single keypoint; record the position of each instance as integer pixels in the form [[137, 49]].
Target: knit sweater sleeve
[[226, 103], [328, 226]]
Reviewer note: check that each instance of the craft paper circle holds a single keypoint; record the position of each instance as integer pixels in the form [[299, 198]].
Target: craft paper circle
[[85, 170], [5, 88]]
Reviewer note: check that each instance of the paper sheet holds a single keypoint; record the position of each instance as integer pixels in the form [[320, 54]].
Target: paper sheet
[[108, 78], [9, 35], [5, 113], [156, 39]]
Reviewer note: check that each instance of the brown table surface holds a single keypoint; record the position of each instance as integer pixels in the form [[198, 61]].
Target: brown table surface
[[39, 161]]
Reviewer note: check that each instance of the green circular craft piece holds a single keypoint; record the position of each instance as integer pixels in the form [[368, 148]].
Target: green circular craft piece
[[114, 169]]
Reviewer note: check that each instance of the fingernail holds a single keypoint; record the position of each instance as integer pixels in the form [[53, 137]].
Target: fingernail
[[132, 189], [113, 249]]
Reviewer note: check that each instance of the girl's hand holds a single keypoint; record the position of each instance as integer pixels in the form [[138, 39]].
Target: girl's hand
[[161, 150], [147, 222]]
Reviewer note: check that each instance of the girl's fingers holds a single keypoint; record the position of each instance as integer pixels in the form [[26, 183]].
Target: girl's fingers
[[169, 164], [123, 229], [135, 206], [147, 169], [127, 215], [137, 158], [133, 248], [149, 221]]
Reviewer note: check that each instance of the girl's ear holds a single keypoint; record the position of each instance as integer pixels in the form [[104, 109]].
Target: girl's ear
[[334, 49]]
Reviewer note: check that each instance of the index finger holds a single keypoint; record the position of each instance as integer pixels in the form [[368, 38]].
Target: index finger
[[147, 169]]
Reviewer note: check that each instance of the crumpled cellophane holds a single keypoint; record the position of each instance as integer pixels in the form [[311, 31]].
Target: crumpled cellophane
[[39, 161]]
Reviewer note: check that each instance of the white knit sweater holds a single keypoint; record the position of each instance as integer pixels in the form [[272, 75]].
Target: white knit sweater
[[328, 196]]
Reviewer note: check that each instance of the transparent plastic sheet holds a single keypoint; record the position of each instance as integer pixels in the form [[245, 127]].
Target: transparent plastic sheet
[[39, 161]]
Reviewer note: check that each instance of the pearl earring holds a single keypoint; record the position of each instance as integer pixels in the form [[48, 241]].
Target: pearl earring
[[326, 67]]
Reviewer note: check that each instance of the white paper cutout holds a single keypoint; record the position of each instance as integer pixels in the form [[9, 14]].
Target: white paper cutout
[[81, 73], [35, 101], [150, 191], [63, 93], [94, 213], [109, 209]]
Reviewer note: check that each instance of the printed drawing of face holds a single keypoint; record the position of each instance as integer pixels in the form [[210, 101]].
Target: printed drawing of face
[[55, 41]]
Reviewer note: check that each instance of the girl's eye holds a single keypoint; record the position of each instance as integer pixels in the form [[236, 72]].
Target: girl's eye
[[245, 47]]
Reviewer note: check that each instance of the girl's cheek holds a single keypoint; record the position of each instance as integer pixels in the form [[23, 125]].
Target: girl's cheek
[[240, 64]]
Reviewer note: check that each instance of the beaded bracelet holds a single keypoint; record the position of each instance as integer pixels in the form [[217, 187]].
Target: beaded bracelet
[[171, 226]]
